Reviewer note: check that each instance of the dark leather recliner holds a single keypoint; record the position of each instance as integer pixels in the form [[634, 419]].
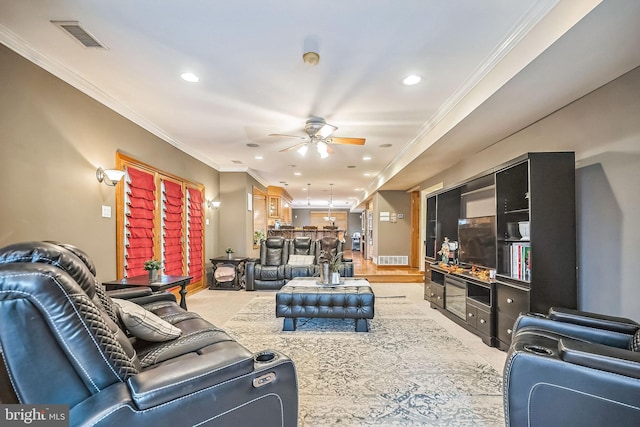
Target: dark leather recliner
[[268, 271], [573, 368], [302, 245], [62, 343], [328, 246]]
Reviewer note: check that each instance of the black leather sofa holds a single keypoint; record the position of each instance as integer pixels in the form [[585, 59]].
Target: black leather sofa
[[573, 368], [62, 341], [272, 270]]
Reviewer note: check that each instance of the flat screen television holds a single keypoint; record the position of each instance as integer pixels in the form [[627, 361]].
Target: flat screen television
[[477, 241]]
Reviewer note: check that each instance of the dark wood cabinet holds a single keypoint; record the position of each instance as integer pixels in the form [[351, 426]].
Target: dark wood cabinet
[[535, 248], [465, 299], [536, 266]]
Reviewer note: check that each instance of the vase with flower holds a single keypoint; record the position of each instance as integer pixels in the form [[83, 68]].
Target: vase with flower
[[153, 266]]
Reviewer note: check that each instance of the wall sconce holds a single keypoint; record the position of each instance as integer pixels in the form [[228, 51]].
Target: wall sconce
[[109, 176], [212, 204]]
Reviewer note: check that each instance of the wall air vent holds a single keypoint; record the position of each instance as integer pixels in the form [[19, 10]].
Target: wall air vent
[[74, 29], [393, 260]]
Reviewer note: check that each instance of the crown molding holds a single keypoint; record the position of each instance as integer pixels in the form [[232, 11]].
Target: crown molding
[[22, 48]]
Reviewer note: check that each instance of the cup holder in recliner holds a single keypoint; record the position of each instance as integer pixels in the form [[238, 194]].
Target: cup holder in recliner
[[536, 349], [265, 357]]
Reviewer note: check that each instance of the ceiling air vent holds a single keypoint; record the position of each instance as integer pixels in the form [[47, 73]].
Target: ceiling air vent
[[74, 29]]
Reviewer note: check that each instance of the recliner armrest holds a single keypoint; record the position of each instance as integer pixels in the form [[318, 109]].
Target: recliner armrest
[[127, 293], [533, 322], [601, 357], [594, 320], [189, 374]]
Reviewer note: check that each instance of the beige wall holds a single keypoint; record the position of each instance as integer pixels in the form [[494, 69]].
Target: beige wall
[[393, 238], [603, 129], [237, 232], [52, 139]]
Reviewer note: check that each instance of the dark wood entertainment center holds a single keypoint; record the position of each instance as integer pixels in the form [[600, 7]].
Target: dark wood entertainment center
[[532, 274]]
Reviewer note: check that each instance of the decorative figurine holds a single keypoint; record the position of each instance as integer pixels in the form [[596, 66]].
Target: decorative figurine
[[444, 251]]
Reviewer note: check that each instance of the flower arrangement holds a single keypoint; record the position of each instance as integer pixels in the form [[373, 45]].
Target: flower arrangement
[[229, 250], [152, 264], [334, 261]]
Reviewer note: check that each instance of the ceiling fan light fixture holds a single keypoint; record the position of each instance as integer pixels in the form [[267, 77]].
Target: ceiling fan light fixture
[[303, 150], [323, 149]]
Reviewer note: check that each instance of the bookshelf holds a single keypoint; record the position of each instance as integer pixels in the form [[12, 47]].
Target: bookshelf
[[535, 270]]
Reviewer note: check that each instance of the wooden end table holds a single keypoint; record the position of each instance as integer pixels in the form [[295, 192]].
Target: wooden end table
[[162, 284], [239, 264]]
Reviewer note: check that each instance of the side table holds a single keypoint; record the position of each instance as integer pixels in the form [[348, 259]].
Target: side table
[[238, 263], [162, 284]]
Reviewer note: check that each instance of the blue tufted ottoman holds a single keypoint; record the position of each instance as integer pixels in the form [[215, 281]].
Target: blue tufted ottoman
[[302, 297]]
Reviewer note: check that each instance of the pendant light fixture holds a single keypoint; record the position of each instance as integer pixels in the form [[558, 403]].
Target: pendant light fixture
[[329, 217]]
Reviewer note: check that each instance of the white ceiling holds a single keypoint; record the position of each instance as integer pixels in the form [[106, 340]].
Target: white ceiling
[[489, 68]]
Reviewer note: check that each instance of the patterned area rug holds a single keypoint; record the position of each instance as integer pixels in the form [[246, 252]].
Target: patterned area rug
[[407, 371]]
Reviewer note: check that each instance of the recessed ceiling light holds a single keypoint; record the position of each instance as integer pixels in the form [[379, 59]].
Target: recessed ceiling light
[[259, 157], [367, 174], [385, 145], [297, 173], [358, 189], [412, 80], [366, 158], [253, 145], [350, 166], [189, 77]]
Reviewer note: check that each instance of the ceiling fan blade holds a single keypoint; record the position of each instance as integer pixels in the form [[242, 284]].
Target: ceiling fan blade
[[293, 147], [326, 130], [280, 135], [348, 141]]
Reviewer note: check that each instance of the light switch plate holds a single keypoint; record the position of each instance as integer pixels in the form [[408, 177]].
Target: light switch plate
[[106, 211]]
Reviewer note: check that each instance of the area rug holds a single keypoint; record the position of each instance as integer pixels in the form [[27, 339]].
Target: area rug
[[406, 371]]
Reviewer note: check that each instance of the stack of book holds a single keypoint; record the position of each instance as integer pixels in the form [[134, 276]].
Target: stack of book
[[520, 256]]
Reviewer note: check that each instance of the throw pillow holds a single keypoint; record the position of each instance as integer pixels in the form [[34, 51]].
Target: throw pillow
[[144, 324], [301, 259]]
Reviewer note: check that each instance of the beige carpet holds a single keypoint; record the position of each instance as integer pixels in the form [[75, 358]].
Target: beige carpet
[[408, 370]]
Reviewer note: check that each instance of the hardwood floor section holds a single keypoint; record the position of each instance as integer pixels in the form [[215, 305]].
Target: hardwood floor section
[[382, 274]]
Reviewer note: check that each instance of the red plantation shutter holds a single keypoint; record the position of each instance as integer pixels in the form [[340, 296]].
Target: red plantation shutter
[[194, 234], [139, 206], [172, 234]]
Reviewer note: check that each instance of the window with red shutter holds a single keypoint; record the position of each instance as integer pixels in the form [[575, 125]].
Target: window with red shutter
[[159, 216]]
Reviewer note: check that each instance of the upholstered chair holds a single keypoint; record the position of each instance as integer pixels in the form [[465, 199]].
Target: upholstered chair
[[268, 271]]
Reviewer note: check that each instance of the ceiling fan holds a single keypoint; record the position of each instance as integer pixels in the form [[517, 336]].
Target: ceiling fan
[[319, 136]]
